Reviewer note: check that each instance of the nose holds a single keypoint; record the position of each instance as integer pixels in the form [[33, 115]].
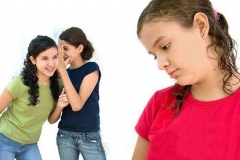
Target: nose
[[51, 62], [162, 62]]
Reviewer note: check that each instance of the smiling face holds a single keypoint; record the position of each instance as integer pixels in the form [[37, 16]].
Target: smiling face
[[181, 52], [70, 51], [46, 63]]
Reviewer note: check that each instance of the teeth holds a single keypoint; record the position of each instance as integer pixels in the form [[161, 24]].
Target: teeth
[[50, 69]]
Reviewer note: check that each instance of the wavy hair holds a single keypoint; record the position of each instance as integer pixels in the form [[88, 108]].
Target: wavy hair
[[29, 70], [183, 12]]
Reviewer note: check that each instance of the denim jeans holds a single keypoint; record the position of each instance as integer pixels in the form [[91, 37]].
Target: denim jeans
[[73, 144], [10, 149]]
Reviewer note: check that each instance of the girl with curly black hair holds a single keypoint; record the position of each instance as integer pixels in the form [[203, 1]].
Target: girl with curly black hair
[[28, 100]]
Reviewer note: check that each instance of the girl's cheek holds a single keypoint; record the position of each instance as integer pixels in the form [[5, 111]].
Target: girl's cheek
[[56, 61]]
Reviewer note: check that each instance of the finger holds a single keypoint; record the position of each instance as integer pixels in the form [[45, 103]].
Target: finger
[[65, 100], [63, 96], [63, 91], [60, 50], [67, 60]]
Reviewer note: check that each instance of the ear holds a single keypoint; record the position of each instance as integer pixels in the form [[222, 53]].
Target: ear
[[201, 22], [32, 60], [80, 48]]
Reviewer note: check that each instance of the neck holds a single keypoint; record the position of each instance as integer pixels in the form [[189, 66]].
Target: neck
[[77, 63], [44, 81], [212, 91]]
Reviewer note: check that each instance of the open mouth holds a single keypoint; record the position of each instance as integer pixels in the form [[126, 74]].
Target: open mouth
[[50, 69]]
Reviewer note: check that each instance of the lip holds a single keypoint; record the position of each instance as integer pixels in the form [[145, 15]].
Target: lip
[[172, 74], [50, 69]]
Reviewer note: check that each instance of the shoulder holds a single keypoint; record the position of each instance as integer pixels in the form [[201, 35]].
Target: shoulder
[[163, 94], [17, 77], [164, 90], [92, 65], [16, 80], [161, 100], [156, 105], [16, 86]]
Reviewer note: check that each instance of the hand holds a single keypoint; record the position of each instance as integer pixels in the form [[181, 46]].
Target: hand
[[62, 100], [62, 62]]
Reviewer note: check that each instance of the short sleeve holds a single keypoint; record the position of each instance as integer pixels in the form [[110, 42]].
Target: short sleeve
[[92, 66], [145, 120], [158, 103], [14, 86]]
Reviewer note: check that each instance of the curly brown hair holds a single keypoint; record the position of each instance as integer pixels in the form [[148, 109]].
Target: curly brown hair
[[183, 12]]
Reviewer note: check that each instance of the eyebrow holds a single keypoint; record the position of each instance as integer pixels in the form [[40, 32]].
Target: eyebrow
[[157, 40], [48, 56]]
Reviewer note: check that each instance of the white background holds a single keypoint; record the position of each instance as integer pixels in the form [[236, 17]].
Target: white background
[[129, 75]]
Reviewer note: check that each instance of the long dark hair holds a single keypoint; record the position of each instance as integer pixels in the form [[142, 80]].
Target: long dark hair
[[29, 70], [183, 12]]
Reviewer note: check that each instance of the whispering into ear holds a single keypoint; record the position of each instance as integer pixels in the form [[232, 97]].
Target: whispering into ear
[[80, 48], [32, 60]]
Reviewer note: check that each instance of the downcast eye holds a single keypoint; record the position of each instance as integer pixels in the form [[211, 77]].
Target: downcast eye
[[166, 47]]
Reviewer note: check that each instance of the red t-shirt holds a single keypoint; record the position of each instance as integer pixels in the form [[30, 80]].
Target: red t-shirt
[[202, 131]]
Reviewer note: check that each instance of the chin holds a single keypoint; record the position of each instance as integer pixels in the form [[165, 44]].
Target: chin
[[182, 83], [50, 74]]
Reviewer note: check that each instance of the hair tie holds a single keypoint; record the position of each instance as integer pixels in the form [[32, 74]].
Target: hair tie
[[216, 14]]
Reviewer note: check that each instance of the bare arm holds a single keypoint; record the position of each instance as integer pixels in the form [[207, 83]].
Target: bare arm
[[77, 100], [140, 150], [5, 99], [55, 115], [57, 110]]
